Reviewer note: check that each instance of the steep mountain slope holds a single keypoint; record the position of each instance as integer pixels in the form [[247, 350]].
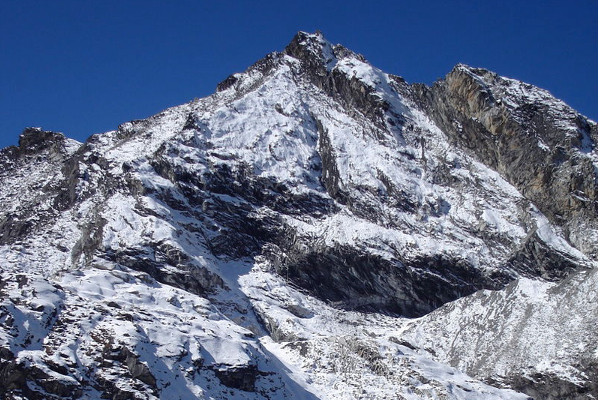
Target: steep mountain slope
[[489, 335], [497, 118], [275, 239]]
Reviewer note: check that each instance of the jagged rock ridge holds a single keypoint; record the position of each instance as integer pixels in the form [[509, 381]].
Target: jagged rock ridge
[[270, 241]]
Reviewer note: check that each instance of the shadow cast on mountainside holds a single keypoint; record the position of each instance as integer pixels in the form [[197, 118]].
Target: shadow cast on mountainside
[[295, 389]]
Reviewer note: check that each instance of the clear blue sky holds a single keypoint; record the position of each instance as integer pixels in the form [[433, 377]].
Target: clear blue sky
[[83, 67]]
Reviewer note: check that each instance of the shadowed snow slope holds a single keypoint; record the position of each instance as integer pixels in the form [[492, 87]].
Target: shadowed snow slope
[[316, 229]]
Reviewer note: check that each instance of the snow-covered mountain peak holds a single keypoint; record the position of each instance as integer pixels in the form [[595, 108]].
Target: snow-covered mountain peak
[[316, 51], [272, 239], [312, 49]]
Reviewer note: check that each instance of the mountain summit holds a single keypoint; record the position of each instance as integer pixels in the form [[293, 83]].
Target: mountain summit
[[315, 229]]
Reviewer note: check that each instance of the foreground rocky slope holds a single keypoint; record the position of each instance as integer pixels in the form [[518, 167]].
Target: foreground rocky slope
[[276, 240]]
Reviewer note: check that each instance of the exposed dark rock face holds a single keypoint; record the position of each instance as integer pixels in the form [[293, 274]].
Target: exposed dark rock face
[[330, 177], [356, 280], [34, 141], [156, 262], [129, 361], [37, 148], [18, 380], [354, 94], [535, 142], [536, 259], [239, 378], [552, 387], [137, 369]]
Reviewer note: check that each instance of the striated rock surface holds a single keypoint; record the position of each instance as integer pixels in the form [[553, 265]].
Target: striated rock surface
[[538, 143], [277, 238]]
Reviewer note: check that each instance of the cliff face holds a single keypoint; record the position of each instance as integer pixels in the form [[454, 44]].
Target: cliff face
[[539, 144], [275, 239]]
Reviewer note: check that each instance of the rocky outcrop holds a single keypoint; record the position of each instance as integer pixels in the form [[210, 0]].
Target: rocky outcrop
[[535, 258], [330, 178], [168, 266], [359, 280], [36, 140], [38, 149], [315, 54], [18, 380], [536, 142], [114, 353], [243, 378], [549, 386]]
